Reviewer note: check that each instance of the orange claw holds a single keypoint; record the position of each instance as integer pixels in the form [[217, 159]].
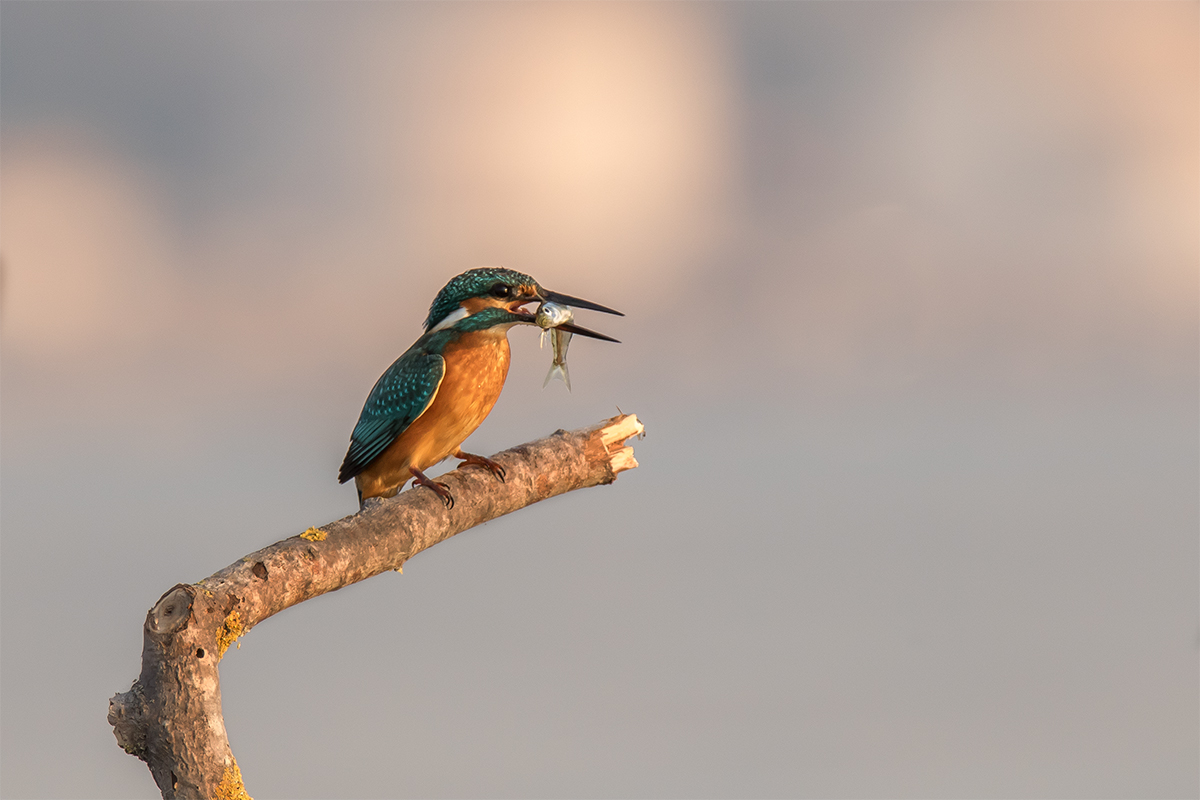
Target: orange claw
[[492, 466], [440, 489]]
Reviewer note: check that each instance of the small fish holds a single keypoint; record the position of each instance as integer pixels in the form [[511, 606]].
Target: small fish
[[549, 317]]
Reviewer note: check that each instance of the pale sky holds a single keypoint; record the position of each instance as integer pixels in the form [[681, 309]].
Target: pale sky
[[913, 323]]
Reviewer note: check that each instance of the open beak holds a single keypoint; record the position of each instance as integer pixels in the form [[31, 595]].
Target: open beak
[[571, 327], [575, 302]]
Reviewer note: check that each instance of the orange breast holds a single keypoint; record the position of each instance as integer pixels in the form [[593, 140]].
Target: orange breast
[[476, 366]]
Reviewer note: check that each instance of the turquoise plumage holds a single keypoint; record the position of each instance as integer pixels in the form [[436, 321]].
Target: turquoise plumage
[[467, 326], [407, 388], [400, 395], [473, 283]]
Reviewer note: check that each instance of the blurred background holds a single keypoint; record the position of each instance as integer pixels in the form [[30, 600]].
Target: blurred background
[[912, 321]]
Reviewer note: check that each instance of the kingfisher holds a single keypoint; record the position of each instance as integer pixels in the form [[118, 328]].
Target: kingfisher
[[442, 388]]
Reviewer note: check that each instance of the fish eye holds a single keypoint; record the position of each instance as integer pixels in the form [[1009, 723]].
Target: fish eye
[[501, 290]]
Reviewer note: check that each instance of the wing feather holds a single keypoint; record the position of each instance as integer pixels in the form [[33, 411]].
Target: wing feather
[[400, 395]]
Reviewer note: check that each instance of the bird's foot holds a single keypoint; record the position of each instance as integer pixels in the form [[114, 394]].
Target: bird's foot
[[439, 488], [491, 466]]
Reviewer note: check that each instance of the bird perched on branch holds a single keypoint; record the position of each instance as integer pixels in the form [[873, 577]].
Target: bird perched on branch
[[435, 395]]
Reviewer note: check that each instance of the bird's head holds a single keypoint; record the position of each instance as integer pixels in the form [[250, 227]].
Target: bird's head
[[504, 290]]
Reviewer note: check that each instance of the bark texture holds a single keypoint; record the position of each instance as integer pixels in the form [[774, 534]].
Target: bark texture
[[171, 717]]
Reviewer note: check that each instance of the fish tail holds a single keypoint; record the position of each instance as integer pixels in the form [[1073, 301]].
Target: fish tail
[[558, 371]]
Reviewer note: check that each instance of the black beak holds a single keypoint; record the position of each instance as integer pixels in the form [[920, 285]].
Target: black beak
[[571, 327], [575, 302]]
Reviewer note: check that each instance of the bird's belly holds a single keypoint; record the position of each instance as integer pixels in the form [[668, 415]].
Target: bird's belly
[[476, 366]]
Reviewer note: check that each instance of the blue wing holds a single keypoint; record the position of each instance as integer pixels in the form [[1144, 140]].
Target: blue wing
[[400, 395]]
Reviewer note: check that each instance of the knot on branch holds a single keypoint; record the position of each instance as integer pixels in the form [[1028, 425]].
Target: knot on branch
[[127, 715], [172, 611]]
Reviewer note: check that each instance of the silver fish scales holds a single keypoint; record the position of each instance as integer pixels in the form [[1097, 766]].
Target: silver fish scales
[[549, 317]]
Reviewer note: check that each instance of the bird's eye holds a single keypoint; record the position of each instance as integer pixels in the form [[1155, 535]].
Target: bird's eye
[[501, 290]]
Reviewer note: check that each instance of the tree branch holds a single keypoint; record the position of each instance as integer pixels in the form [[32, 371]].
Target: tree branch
[[171, 717]]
